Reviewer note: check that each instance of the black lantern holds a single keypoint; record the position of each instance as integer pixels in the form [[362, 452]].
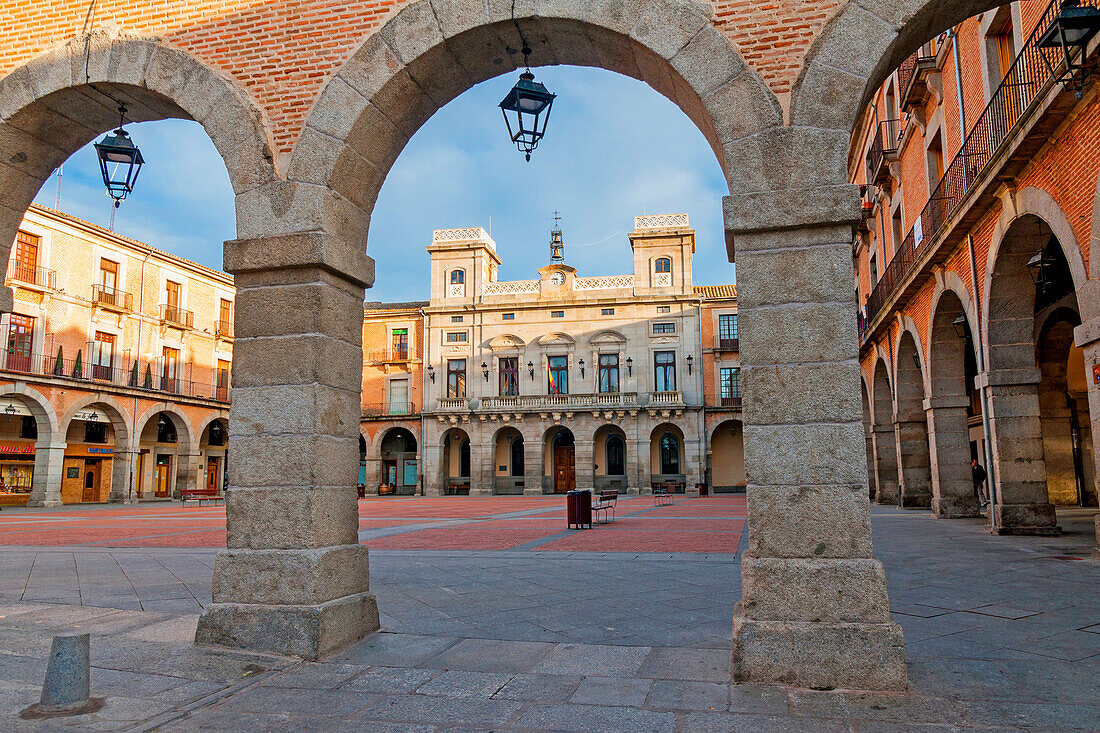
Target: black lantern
[[1039, 268], [531, 368], [1073, 28], [119, 161], [10, 409], [629, 365], [485, 371], [528, 107], [962, 330], [431, 373], [581, 363], [690, 361]]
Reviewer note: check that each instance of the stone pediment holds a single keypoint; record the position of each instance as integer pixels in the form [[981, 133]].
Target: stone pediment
[[607, 337], [556, 339], [507, 341]]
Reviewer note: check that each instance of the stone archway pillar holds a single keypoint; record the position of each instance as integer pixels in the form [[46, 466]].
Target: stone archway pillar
[[949, 452], [814, 610], [294, 579], [1023, 506], [532, 462], [482, 461], [914, 468], [189, 473], [123, 474], [583, 461], [49, 463], [887, 489]]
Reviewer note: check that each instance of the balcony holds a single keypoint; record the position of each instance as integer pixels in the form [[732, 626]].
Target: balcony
[[914, 74], [1022, 113], [388, 357], [722, 343], [223, 329], [883, 151], [173, 315], [392, 409], [39, 277], [561, 401], [454, 404], [734, 402], [112, 299], [667, 398]]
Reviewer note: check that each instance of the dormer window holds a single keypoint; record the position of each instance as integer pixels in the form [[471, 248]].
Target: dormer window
[[457, 288], [662, 272], [458, 277]]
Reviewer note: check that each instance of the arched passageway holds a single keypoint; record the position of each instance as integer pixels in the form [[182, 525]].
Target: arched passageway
[[214, 454], [510, 464], [167, 460], [97, 453], [610, 458], [31, 450], [399, 458], [911, 428], [869, 441], [885, 444], [666, 455], [727, 457], [559, 460], [455, 464]]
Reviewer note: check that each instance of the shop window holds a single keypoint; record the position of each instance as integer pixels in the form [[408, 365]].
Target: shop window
[[95, 432], [670, 454]]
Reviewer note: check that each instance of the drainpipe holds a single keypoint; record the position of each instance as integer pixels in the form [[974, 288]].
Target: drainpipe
[[959, 88], [990, 468]]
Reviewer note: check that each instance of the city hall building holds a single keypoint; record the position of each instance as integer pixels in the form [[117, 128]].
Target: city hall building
[[562, 381]]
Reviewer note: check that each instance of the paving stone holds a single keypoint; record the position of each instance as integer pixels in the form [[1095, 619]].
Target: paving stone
[[758, 699], [295, 700], [1031, 715], [491, 655], [742, 723], [612, 691], [394, 649], [699, 665], [440, 710], [677, 695], [586, 660], [595, 719], [316, 676], [539, 687], [390, 680], [463, 683]]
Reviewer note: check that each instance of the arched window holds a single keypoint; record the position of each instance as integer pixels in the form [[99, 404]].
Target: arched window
[[616, 456], [670, 454], [517, 457], [458, 277], [663, 264]]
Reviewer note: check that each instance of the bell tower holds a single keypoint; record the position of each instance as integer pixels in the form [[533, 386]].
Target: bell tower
[[557, 242]]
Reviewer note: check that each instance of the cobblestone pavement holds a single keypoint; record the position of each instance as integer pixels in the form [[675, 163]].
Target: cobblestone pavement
[[1003, 633]]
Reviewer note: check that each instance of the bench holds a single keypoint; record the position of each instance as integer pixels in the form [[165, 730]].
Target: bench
[[200, 495], [662, 496], [605, 504]]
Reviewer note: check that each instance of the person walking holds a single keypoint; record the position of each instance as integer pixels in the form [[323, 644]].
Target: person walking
[[979, 476]]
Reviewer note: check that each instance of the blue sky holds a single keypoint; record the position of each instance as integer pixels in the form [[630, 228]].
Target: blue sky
[[614, 148]]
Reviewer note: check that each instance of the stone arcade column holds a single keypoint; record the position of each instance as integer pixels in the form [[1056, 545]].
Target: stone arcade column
[[189, 474], [294, 578], [482, 459], [914, 469], [124, 489], [1021, 478], [583, 461], [814, 610], [532, 457], [949, 452], [49, 463], [887, 488], [1087, 337]]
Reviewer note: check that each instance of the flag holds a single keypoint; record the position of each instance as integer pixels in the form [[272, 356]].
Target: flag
[[550, 378]]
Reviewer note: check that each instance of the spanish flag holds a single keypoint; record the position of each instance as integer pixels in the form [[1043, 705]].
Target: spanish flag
[[550, 378]]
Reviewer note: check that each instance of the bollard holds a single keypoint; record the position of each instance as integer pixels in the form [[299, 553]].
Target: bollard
[[66, 690]]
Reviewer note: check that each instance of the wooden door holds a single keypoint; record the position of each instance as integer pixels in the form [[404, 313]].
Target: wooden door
[[212, 470], [91, 481], [565, 478], [160, 480], [20, 342]]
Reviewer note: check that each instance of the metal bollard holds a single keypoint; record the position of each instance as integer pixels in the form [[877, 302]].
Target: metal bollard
[[67, 689]]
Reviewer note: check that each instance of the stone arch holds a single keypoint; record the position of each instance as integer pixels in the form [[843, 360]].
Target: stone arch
[[885, 441], [155, 82], [727, 462], [178, 418], [656, 446], [456, 461], [386, 427], [48, 448], [910, 425], [210, 419], [117, 413], [611, 457], [40, 407], [429, 52], [513, 479]]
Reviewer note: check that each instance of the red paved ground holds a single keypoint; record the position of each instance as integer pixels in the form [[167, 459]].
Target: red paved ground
[[713, 524]]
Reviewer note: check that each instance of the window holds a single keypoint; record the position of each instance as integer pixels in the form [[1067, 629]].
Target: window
[[664, 328], [607, 312], [509, 376], [399, 343], [95, 432], [616, 456], [729, 384], [873, 268], [670, 454], [456, 337], [727, 328], [609, 373], [664, 366], [399, 397], [225, 318], [172, 293], [223, 381], [458, 277], [169, 376], [934, 157], [664, 309], [507, 316], [20, 342], [557, 314], [26, 257], [456, 319], [103, 355], [517, 456], [558, 372], [456, 378], [108, 276], [663, 264]]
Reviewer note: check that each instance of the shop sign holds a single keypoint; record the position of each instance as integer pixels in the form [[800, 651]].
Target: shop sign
[[15, 407], [89, 451], [23, 449], [90, 414]]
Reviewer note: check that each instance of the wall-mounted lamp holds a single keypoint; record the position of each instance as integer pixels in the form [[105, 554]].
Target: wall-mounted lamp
[[629, 365], [431, 372], [581, 363], [690, 361], [960, 326], [485, 371], [531, 368], [10, 409]]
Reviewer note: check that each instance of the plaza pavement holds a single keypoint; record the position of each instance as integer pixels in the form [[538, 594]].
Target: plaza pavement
[[544, 629]]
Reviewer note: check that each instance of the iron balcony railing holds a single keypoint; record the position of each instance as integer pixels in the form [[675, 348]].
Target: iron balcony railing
[[884, 148], [734, 401], [391, 409], [112, 298], [392, 355], [43, 277], [223, 329], [597, 399], [722, 343], [1021, 86], [921, 59], [177, 316]]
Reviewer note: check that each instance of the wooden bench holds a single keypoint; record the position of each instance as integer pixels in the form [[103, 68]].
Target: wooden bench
[[605, 504], [661, 494], [200, 495]]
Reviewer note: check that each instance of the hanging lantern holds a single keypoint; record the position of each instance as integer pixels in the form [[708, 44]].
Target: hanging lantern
[[1073, 28], [962, 330], [1039, 269], [527, 106], [120, 161]]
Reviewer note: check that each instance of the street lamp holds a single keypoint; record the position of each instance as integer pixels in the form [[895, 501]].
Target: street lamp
[[120, 161], [690, 361], [485, 371], [525, 105], [10, 409], [431, 373], [629, 366], [582, 368], [1038, 268], [531, 368], [1073, 28], [962, 330]]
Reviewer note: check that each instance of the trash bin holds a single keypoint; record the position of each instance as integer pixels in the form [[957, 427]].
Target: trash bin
[[703, 491], [578, 508]]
